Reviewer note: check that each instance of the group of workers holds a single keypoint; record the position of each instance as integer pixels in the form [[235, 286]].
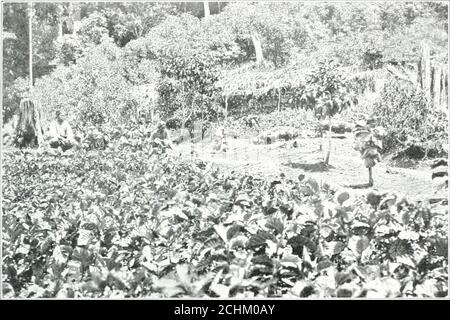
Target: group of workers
[[60, 135]]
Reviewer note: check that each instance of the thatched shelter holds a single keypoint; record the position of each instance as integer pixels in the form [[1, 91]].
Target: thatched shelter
[[254, 81]]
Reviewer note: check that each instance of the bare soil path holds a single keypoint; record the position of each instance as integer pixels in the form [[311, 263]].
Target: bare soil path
[[346, 169]]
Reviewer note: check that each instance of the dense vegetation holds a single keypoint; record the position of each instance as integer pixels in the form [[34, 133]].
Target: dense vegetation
[[115, 219], [171, 49], [124, 223]]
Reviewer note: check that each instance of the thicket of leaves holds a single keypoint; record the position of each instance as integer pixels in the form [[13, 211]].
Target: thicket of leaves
[[189, 53], [327, 91], [413, 125], [109, 86], [121, 222]]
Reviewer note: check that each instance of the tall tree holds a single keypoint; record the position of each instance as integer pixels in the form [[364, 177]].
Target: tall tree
[[30, 39], [206, 8]]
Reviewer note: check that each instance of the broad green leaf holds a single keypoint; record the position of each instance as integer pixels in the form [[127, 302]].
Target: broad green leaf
[[358, 244], [275, 224], [342, 197], [332, 248]]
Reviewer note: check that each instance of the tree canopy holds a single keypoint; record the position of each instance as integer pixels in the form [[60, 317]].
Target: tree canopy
[[239, 48]]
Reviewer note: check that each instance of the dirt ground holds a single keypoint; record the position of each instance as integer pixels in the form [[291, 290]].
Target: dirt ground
[[345, 171]]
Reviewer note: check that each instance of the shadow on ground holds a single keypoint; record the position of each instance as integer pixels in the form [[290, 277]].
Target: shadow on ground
[[310, 167], [359, 186]]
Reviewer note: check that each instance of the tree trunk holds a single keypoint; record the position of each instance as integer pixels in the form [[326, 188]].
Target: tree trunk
[[30, 41], [258, 47], [327, 158], [203, 125], [70, 20], [206, 8], [60, 20], [419, 75], [426, 70], [437, 87], [370, 177], [29, 131], [279, 100], [226, 108], [444, 89], [74, 16], [321, 137]]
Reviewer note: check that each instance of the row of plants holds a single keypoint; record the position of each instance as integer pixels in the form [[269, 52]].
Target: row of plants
[[126, 222], [252, 125]]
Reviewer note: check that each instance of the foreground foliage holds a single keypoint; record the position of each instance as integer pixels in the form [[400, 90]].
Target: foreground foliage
[[123, 223]]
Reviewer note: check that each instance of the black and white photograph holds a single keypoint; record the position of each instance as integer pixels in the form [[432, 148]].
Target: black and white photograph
[[249, 150]]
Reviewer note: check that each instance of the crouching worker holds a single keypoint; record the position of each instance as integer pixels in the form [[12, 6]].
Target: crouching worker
[[61, 134], [160, 138]]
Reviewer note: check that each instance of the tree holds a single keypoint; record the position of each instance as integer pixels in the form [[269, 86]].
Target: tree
[[327, 94], [189, 52], [245, 20]]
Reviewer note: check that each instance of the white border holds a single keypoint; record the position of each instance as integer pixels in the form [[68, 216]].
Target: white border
[[274, 300]]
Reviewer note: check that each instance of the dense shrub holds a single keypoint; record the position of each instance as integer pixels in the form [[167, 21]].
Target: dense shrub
[[412, 124], [68, 49], [107, 86], [189, 52], [93, 29], [12, 96]]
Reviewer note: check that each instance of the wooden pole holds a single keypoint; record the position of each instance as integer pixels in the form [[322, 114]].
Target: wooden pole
[[206, 8], [60, 20], [279, 100], [258, 47], [327, 157], [437, 87], [427, 69], [30, 40], [444, 89], [226, 108], [370, 177]]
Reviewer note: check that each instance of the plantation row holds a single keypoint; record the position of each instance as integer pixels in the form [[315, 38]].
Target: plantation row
[[124, 223]]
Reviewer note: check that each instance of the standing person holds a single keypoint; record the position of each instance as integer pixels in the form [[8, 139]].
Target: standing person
[[61, 134], [220, 142]]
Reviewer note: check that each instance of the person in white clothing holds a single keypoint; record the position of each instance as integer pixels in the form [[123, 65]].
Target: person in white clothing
[[61, 134]]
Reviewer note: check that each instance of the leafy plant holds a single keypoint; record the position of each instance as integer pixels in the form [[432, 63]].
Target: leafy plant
[[123, 222], [410, 121], [327, 94]]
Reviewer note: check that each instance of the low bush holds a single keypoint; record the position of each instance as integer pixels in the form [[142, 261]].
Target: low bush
[[414, 128]]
